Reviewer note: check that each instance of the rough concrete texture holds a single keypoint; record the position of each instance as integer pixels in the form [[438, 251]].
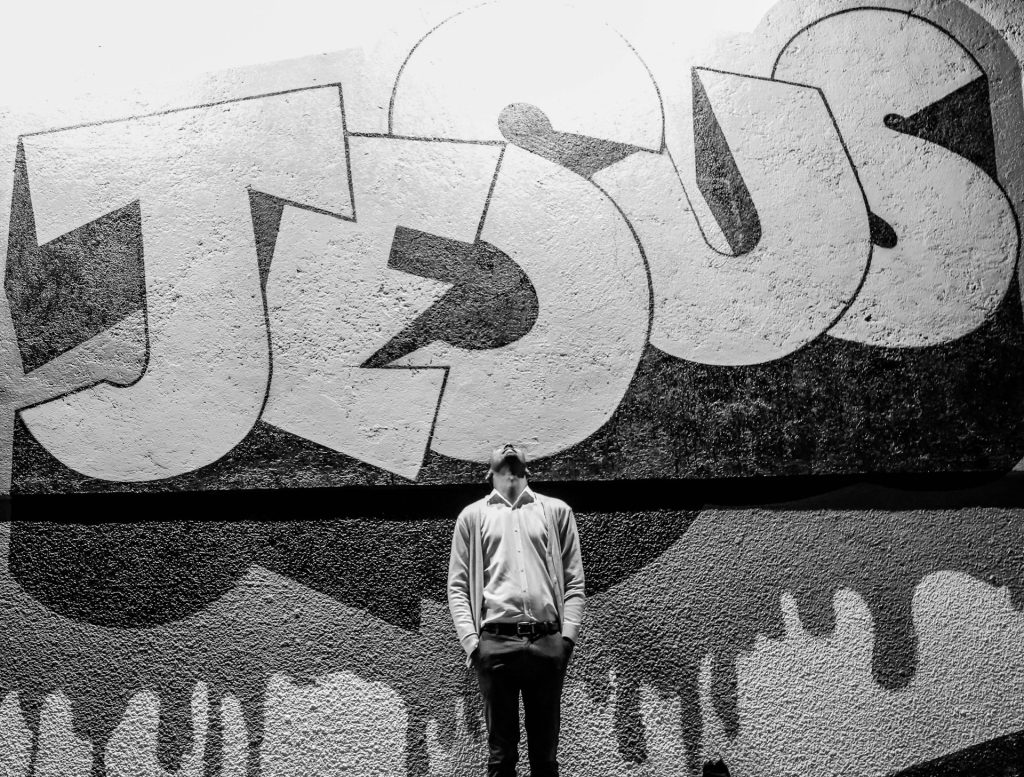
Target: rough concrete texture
[[754, 308]]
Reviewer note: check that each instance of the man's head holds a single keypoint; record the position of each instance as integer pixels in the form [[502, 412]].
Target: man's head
[[508, 471]]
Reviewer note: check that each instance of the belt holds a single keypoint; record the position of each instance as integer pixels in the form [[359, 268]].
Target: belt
[[522, 629]]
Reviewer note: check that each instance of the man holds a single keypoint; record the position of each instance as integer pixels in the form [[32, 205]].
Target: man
[[515, 591]]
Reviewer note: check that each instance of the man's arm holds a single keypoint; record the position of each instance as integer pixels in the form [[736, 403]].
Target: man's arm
[[458, 585], [572, 570]]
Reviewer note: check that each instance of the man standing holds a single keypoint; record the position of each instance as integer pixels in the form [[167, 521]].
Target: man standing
[[515, 591]]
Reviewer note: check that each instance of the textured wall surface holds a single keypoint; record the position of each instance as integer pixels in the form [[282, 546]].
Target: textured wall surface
[[752, 304]]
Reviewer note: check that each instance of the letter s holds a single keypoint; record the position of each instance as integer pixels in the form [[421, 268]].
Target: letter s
[[903, 93]]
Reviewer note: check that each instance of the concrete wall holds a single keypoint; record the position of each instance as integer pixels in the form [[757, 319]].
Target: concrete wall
[[751, 303]]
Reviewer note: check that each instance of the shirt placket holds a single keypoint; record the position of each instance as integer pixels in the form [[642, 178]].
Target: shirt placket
[[517, 513]]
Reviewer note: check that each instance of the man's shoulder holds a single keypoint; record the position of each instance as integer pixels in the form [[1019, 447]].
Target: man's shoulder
[[473, 509], [553, 503]]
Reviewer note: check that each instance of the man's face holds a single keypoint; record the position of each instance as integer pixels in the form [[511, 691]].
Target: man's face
[[509, 476]]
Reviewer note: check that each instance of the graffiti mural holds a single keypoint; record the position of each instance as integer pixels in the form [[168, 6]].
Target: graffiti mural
[[824, 252], [754, 311]]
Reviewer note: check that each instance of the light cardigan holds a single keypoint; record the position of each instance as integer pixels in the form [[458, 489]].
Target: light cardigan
[[466, 569]]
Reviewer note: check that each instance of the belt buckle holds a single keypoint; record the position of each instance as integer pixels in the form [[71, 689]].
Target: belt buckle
[[524, 629]]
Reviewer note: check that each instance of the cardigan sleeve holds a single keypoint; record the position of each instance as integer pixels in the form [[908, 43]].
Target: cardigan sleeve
[[572, 569], [459, 600]]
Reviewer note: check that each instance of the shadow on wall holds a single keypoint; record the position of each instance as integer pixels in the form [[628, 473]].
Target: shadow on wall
[[724, 589], [1003, 756], [690, 585], [265, 627], [190, 608]]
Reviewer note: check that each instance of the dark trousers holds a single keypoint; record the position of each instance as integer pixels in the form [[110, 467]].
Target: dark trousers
[[507, 667]]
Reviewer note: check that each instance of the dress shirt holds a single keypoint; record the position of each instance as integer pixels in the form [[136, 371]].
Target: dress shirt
[[517, 584], [467, 563]]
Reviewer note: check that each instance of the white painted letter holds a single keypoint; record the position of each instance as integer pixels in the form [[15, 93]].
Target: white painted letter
[[208, 366], [956, 234], [716, 308]]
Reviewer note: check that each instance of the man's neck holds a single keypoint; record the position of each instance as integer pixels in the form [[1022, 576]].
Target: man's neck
[[512, 494]]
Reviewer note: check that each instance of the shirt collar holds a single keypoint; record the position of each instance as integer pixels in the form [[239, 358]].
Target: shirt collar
[[525, 498]]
